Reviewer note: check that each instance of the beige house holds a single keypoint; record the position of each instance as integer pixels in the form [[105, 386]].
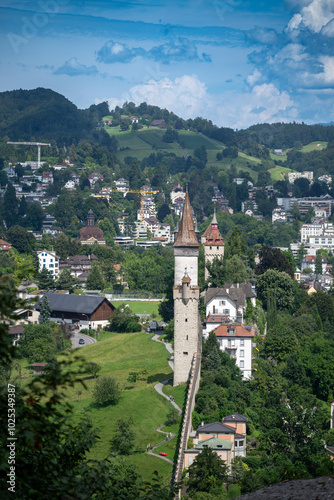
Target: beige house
[[227, 439]]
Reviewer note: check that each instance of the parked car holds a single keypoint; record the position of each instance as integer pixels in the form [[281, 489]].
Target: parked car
[[81, 341]]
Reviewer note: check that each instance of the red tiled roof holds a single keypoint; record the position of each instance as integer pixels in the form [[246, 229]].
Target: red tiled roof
[[239, 331]]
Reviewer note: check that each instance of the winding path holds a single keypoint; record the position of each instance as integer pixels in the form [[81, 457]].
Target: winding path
[[158, 387]]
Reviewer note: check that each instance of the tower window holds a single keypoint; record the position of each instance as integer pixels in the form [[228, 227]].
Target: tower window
[[187, 337], [217, 248], [186, 320], [185, 353]]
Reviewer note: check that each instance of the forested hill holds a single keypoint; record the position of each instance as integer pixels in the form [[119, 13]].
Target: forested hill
[[43, 114]]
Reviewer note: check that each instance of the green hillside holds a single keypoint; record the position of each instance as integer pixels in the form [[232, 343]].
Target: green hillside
[[118, 355]]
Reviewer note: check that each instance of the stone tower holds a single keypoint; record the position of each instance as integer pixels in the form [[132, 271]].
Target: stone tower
[[213, 244], [187, 337]]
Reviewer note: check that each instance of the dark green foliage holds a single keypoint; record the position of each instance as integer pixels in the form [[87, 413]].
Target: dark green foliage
[[45, 279], [124, 321], [95, 279], [10, 205], [280, 343], [67, 282], [93, 368], [45, 311], [170, 135], [38, 342], [283, 285], [271, 309], [21, 239], [106, 391], [273, 258], [318, 264], [123, 440], [207, 473]]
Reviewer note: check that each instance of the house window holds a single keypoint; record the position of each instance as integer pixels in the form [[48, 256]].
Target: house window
[[241, 443], [241, 364], [226, 311], [51, 260], [217, 248], [214, 310], [187, 337], [43, 260], [242, 342], [242, 353]]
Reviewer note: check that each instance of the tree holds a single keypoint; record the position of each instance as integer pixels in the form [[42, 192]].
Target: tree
[[283, 285], [123, 440], [95, 279], [38, 342], [218, 273], [94, 368], [273, 258], [124, 321], [207, 473], [280, 343], [10, 205], [45, 311], [106, 391], [236, 270], [45, 279], [19, 237], [67, 282], [318, 264], [34, 216]]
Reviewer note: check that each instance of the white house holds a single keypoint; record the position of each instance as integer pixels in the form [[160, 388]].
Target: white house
[[236, 340], [50, 261], [225, 305]]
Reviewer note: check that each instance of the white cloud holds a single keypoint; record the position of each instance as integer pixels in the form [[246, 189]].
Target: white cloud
[[254, 77], [72, 67], [188, 97], [314, 16]]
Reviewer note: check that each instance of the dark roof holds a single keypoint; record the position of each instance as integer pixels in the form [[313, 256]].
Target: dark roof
[[238, 292], [15, 330], [236, 417], [216, 427], [73, 303], [186, 236], [91, 232]]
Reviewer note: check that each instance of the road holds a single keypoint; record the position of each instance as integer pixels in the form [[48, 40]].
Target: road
[[75, 340]]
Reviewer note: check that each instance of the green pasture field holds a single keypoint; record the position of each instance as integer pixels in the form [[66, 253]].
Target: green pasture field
[[120, 354], [278, 173], [314, 146], [139, 306]]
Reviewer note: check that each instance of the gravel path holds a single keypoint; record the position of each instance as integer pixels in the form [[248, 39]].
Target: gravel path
[[158, 387]]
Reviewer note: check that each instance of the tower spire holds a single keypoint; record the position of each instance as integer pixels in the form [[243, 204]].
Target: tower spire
[[186, 236]]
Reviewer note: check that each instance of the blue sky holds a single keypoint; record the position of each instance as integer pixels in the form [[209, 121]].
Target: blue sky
[[236, 62]]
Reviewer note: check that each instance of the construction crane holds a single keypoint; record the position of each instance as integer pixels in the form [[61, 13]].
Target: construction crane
[[139, 191], [38, 144]]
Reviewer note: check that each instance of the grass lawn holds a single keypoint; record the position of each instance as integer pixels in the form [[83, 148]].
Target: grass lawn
[[118, 355], [278, 173], [140, 306], [314, 146]]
